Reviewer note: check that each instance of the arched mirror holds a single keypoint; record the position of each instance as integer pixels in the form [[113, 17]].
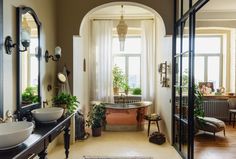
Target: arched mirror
[[28, 60]]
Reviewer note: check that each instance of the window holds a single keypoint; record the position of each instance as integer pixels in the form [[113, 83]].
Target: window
[[129, 60], [208, 65]]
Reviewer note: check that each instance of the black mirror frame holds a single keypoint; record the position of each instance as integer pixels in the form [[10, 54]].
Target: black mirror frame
[[1, 58], [25, 110]]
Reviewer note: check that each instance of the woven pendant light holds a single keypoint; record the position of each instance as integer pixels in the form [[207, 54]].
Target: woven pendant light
[[122, 29]]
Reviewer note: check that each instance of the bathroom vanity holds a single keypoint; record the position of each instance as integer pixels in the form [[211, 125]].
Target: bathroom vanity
[[37, 143]]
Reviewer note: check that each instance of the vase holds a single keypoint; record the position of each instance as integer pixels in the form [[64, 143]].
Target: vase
[[116, 90]]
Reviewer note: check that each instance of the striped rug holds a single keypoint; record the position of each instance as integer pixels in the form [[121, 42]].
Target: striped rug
[[104, 157]]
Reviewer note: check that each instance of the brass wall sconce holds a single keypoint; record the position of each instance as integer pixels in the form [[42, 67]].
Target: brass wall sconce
[[9, 45], [163, 70], [56, 57]]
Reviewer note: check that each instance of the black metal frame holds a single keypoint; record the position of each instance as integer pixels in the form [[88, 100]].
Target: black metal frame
[[22, 111], [190, 14], [1, 58]]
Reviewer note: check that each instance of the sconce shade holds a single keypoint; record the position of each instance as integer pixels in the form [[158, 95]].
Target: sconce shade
[[25, 33], [57, 54], [122, 29], [25, 38]]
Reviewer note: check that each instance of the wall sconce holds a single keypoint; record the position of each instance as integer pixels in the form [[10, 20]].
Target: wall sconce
[[56, 57], [163, 68], [9, 45]]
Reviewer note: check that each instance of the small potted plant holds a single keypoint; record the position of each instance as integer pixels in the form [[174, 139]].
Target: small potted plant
[[66, 101], [118, 79], [137, 91], [96, 119], [125, 86]]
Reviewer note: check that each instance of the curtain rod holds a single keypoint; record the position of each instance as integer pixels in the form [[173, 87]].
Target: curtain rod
[[124, 19]]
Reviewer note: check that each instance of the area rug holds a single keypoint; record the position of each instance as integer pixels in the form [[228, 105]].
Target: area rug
[[103, 157]]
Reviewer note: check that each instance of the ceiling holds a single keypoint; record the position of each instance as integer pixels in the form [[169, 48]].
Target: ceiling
[[115, 11], [220, 6]]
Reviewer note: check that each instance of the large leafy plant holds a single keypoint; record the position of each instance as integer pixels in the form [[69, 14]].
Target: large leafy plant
[[30, 95], [198, 101], [64, 99], [96, 116]]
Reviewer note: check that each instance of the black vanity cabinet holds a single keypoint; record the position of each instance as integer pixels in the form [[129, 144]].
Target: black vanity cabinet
[[39, 140]]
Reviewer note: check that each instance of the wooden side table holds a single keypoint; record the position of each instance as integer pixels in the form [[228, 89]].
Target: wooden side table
[[150, 118]]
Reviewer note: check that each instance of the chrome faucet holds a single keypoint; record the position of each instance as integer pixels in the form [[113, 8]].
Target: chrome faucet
[[45, 103], [9, 117], [2, 121], [122, 96]]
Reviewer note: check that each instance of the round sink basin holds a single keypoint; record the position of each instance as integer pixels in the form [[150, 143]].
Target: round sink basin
[[13, 134], [47, 115]]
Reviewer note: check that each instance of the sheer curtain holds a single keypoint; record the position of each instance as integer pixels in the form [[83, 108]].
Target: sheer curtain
[[148, 62], [101, 61]]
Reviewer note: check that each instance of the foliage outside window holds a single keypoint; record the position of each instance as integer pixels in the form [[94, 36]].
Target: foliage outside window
[[30, 95]]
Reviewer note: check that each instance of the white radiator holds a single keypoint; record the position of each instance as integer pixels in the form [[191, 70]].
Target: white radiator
[[216, 108]]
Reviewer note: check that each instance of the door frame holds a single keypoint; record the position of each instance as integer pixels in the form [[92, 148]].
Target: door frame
[[1, 58], [190, 14]]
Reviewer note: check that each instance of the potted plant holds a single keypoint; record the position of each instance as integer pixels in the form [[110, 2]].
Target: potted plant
[[137, 91], [66, 101], [198, 110], [118, 78], [30, 95], [125, 86], [96, 118], [198, 100]]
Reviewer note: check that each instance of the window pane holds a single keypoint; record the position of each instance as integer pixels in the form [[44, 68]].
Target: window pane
[[214, 71], [120, 62], [199, 69], [134, 72], [132, 45], [209, 45]]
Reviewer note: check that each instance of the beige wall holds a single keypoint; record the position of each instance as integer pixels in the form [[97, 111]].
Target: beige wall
[[48, 41], [71, 13], [45, 9]]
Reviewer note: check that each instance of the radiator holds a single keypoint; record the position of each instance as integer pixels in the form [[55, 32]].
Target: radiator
[[216, 108]]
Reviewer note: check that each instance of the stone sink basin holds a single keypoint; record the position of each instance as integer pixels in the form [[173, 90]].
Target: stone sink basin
[[47, 115], [15, 133]]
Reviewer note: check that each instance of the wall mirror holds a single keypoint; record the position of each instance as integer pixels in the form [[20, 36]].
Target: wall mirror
[[28, 62]]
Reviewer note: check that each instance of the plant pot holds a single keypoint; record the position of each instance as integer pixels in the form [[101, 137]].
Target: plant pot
[[126, 92], [116, 90], [97, 132]]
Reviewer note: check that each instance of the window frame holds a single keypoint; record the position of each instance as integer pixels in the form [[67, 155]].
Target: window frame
[[207, 55], [127, 55]]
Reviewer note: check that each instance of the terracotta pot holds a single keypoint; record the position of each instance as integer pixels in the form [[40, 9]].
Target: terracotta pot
[[97, 132], [116, 90]]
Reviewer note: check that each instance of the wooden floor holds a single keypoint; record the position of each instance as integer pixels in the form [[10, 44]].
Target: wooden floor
[[220, 147]]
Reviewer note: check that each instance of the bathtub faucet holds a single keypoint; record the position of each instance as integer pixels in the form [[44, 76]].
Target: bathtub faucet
[[122, 96]]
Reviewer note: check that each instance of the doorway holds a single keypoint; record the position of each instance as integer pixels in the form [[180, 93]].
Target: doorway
[[183, 76]]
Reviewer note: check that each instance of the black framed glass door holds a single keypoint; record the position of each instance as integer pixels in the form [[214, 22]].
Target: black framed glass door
[[183, 76]]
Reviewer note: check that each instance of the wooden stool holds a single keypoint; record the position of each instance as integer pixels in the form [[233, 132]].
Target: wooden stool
[[150, 118], [232, 112]]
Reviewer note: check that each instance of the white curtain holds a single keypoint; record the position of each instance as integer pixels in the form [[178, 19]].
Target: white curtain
[[101, 61], [148, 62]]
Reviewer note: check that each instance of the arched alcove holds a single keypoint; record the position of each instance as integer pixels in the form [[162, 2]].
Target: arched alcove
[[160, 50]]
